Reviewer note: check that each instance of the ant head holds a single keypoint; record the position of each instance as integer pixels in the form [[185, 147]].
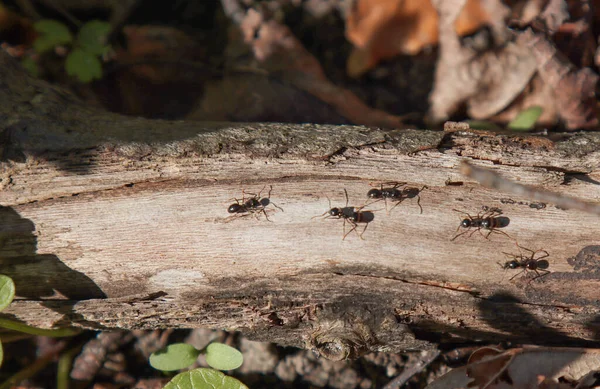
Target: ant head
[[374, 194], [514, 264], [411, 192], [466, 223], [335, 212], [234, 208]]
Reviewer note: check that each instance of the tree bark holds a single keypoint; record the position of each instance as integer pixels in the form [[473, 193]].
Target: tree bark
[[118, 222]]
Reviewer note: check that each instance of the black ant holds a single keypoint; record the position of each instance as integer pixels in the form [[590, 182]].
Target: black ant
[[353, 215], [488, 220], [253, 205], [528, 263], [396, 193]]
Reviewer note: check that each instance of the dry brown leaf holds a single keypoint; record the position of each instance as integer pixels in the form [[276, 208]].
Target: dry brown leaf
[[526, 367], [574, 89], [485, 82], [383, 29]]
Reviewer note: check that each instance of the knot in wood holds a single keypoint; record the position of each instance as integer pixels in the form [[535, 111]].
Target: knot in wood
[[337, 340]]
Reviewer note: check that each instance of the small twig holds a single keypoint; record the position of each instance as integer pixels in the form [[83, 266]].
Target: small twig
[[400, 380], [493, 180]]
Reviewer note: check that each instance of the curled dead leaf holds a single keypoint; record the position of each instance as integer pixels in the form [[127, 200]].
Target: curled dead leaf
[[382, 29]]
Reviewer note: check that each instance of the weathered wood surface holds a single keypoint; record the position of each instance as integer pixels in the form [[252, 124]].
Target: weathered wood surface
[[115, 222]]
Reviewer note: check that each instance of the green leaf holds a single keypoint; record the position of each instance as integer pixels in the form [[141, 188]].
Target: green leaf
[[92, 36], [1, 354], [174, 357], [483, 125], [222, 357], [83, 65], [52, 34], [526, 119], [7, 291], [31, 66], [204, 379]]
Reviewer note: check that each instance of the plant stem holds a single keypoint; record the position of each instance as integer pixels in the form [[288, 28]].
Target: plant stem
[[54, 333]]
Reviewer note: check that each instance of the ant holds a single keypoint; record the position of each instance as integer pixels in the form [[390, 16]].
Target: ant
[[253, 205], [488, 220], [352, 215], [527, 263], [395, 194]]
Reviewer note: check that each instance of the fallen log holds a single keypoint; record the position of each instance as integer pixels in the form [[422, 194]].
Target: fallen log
[[111, 222]]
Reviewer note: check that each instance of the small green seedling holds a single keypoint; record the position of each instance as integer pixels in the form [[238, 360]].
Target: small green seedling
[[87, 47], [174, 357], [181, 355], [7, 294], [526, 119], [51, 34], [204, 379]]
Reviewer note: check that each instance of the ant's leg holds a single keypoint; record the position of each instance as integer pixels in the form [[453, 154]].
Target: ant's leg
[[260, 191], [363, 231], [540, 275], [244, 193], [321, 215], [276, 206], [477, 229], [511, 255], [497, 231], [542, 257], [352, 229], [395, 205], [489, 233], [419, 202], [372, 202], [265, 212], [512, 278], [463, 212], [526, 249], [456, 236]]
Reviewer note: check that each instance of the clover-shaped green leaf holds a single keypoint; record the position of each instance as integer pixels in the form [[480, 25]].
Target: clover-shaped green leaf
[[222, 357], [52, 33], [204, 379], [174, 357], [92, 36], [83, 65], [7, 291]]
